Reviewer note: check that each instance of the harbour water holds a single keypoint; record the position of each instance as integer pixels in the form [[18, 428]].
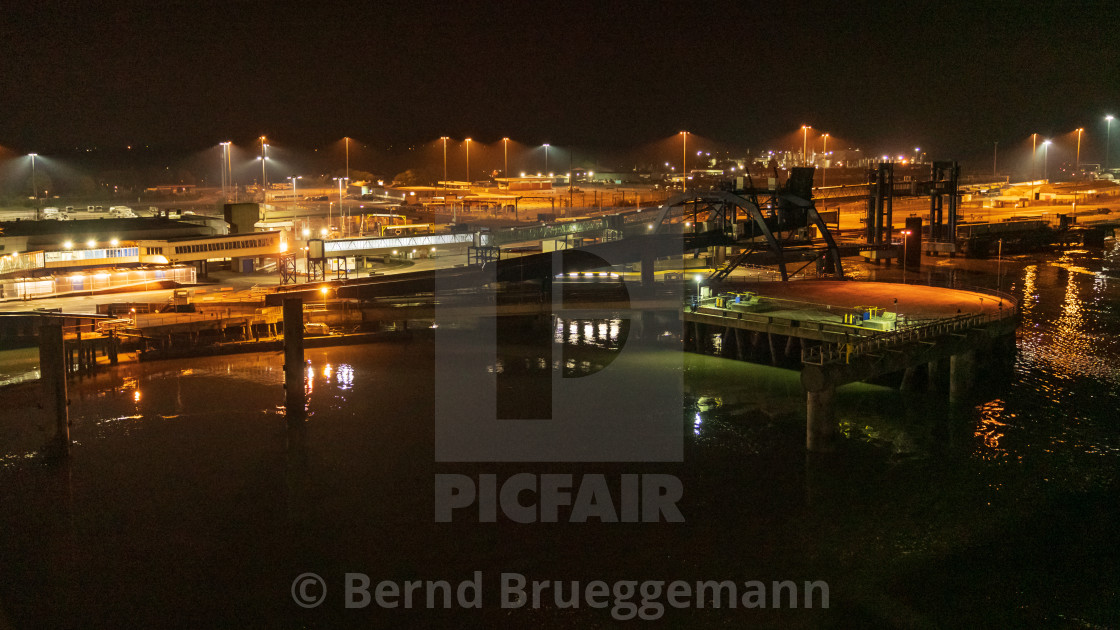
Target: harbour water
[[190, 501]]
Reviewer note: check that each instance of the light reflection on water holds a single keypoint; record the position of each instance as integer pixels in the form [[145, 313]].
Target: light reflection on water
[[1061, 400]]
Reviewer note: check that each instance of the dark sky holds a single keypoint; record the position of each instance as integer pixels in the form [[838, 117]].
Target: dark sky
[[603, 74]]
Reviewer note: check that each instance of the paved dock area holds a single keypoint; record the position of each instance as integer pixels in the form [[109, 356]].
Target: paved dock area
[[910, 300]]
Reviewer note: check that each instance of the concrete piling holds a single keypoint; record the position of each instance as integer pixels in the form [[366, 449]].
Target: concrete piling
[[961, 368], [820, 421]]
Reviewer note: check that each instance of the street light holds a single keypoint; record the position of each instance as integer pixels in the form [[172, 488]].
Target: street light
[[1077, 167], [294, 178], [444, 138], [264, 156], [546, 145], [905, 262], [505, 154], [345, 227], [824, 152], [227, 168], [805, 144], [1034, 154], [468, 143], [34, 188], [347, 139], [684, 160], [1107, 140]]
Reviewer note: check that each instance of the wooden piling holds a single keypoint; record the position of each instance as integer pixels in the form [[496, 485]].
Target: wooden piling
[[294, 370], [52, 369]]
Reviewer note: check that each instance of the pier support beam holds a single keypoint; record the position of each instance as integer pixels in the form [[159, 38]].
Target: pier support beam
[[820, 421], [647, 269], [294, 370], [961, 368], [933, 375], [52, 368]]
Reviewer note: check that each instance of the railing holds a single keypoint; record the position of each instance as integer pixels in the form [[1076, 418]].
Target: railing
[[837, 352]]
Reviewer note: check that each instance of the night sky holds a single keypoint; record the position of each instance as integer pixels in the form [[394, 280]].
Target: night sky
[[878, 75]]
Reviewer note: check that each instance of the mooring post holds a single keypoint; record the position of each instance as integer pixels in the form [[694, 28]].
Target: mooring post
[[52, 370], [820, 420], [112, 349], [294, 369], [960, 375]]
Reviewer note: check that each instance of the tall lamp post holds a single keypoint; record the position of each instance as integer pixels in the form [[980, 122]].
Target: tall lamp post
[[340, 180], [264, 156], [224, 188], [227, 166], [1034, 154], [505, 157], [546, 145], [294, 178], [684, 160], [905, 262], [1077, 167], [805, 144], [34, 188], [444, 138], [1107, 141], [824, 152], [468, 143]]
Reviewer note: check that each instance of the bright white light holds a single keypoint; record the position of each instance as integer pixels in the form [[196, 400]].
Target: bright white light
[[91, 243], [114, 242], [68, 244]]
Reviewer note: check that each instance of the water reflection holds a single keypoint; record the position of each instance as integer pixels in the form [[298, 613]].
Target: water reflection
[[589, 333]]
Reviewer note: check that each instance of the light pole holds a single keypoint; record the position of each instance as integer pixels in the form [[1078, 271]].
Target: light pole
[[905, 262], [805, 144], [684, 160], [340, 180], [1077, 167], [294, 178], [264, 156], [223, 145], [505, 155], [468, 143], [347, 141], [1045, 154], [34, 188], [995, 156], [1034, 154], [227, 166], [444, 138], [546, 145], [1107, 140], [824, 152]]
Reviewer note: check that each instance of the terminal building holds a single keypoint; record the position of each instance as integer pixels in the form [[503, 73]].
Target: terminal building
[[41, 258]]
